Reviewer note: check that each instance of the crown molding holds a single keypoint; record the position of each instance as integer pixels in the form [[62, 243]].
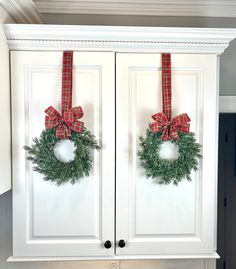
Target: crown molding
[[200, 8], [22, 11], [115, 38]]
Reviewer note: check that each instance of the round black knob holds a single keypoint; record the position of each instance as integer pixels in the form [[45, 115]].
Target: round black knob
[[121, 243], [107, 244]]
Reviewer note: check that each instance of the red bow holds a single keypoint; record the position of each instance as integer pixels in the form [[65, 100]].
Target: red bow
[[170, 128], [64, 122]]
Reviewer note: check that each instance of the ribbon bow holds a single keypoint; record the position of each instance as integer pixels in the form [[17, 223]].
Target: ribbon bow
[[170, 128], [65, 122]]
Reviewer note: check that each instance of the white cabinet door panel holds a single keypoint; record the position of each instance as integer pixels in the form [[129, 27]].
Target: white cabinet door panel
[[69, 220], [155, 219]]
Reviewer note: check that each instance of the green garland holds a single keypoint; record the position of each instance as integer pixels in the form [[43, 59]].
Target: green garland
[[169, 171], [42, 155]]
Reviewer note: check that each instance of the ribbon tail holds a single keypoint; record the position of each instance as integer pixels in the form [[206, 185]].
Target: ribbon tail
[[173, 135], [61, 132], [165, 133], [67, 132]]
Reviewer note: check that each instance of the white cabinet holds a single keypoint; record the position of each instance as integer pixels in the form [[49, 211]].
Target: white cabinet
[[118, 92]]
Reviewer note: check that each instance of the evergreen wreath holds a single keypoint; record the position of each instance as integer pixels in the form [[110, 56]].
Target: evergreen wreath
[[42, 155], [175, 130], [169, 171], [61, 126]]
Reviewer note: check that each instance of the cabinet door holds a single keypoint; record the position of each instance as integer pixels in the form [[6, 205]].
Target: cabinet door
[[69, 220], [155, 219]]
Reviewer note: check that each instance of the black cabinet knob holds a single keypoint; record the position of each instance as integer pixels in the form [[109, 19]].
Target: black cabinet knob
[[107, 244], [121, 243]]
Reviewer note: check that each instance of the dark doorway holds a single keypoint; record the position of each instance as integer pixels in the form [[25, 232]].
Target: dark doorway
[[226, 233]]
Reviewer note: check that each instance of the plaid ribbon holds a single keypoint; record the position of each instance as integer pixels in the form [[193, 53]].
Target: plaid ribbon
[[170, 128], [67, 120], [163, 122]]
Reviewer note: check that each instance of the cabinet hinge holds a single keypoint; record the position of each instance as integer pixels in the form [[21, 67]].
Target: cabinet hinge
[[225, 202]]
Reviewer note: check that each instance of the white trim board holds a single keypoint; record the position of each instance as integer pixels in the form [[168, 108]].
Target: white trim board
[[227, 104], [120, 257], [119, 38]]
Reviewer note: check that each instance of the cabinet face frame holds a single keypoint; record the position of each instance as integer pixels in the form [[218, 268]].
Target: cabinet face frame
[[124, 106]]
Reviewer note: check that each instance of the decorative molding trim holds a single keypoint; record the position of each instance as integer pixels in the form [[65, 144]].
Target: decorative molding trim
[[118, 46], [200, 8], [227, 104], [114, 38], [22, 11]]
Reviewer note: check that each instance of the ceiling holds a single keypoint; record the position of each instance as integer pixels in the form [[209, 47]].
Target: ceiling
[[204, 8], [38, 11]]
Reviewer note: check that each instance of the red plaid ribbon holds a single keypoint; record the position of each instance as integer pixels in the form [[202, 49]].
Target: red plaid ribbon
[[163, 122], [67, 120], [166, 85]]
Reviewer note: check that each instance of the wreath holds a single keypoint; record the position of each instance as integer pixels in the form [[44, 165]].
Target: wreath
[[63, 126], [169, 171], [42, 155], [175, 130]]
